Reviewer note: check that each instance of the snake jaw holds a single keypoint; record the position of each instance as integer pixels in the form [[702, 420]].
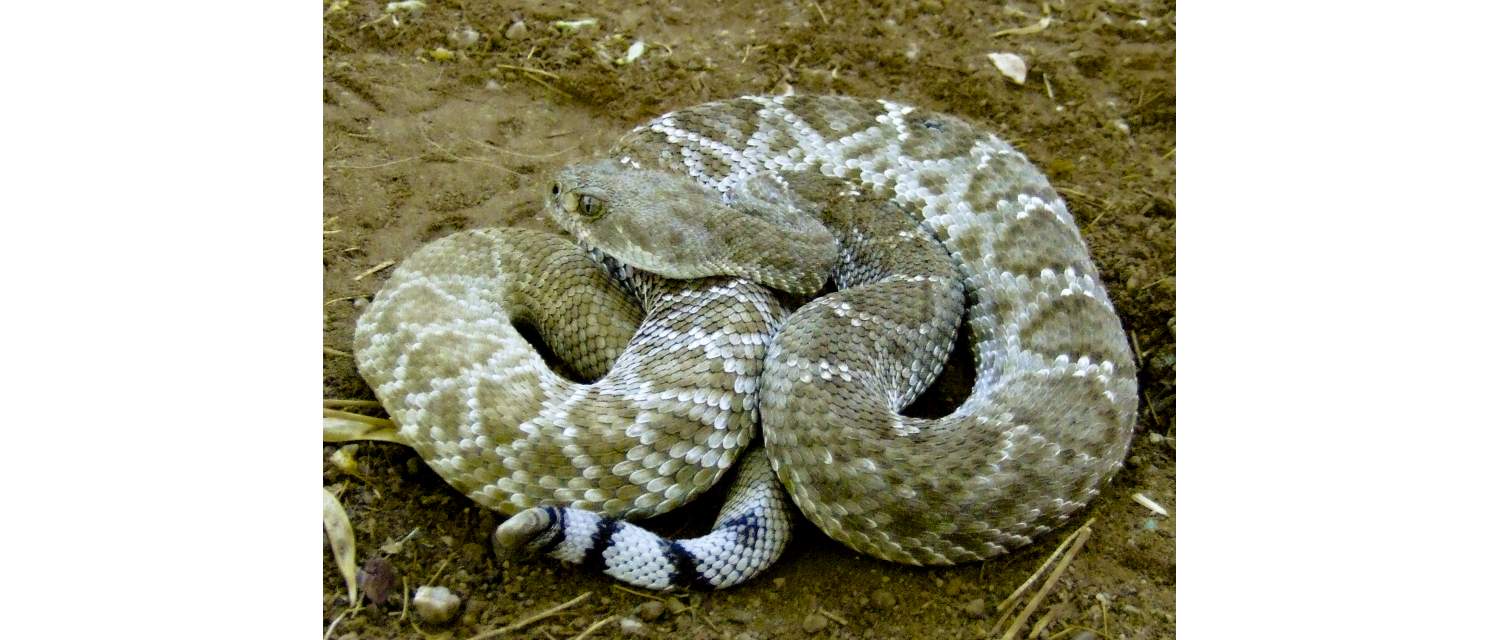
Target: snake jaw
[[521, 532]]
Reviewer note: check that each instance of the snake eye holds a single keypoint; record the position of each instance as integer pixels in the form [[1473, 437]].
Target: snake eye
[[556, 189], [592, 207]]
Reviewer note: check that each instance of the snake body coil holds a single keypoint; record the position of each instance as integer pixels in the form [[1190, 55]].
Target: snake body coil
[[923, 222]]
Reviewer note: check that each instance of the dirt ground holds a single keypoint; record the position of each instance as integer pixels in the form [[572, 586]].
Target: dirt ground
[[452, 116]]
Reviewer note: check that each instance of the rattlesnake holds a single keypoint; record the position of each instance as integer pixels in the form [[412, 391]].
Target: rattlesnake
[[919, 216]]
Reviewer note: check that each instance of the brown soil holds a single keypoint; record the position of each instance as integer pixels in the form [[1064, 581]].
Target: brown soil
[[429, 129]]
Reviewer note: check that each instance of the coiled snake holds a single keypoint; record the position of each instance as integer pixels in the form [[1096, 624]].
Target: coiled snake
[[662, 301]]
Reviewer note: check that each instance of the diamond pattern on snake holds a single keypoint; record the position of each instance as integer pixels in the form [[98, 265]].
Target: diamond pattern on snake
[[684, 295]]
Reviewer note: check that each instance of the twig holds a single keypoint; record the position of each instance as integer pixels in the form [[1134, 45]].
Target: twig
[[832, 616], [366, 272], [1015, 596], [547, 86], [335, 352], [458, 158], [371, 166], [435, 574], [529, 156], [405, 597], [1062, 565], [637, 593], [1041, 623], [358, 417], [1026, 30], [330, 403], [594, 627], [335, 623], [524, 622], [529, 70], [820, 12]]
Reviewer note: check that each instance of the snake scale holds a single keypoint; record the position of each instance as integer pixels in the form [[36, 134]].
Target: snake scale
[[673, 348]]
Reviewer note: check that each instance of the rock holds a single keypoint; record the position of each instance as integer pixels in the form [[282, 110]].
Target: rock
[[632, 627], [975, 608], [883, 599], [435, 605], [516, 30], [651, 611], [376, 579], [741, 616], [779, 582], [463, 38], [675, 606], [1010, 65], [814, 622]]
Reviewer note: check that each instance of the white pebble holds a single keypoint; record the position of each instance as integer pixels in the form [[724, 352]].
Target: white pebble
[[1010, 65], [632, 627], [435, 605]]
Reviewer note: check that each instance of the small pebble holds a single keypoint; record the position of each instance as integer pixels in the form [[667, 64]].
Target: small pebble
[[1156, 438], [676, 606], [814, 622], [435, 605], [779, 582], [883, 599], [651, 611], [632, 627], [975, 607], [464, 38], [1009, 65], [741, 616], [1085, 635], [515, 30]]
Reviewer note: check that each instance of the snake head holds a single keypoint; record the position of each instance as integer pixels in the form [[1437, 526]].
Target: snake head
[[668, 224]]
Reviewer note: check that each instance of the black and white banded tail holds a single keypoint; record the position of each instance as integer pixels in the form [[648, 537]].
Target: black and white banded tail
[[748, 536]]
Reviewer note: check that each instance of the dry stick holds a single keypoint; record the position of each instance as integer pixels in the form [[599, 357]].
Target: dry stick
[[637, 593], [524, 622], [594, 627], [334, 403], [1041, 623], [528, 69], [363, 167], [405, 597], [373, 269], [547, 86], [456, 158], [831, 616], [1015, 596], [335, 352], [357, 417], [335, 623], [820, 13], [435, 574], [1036, 600]]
